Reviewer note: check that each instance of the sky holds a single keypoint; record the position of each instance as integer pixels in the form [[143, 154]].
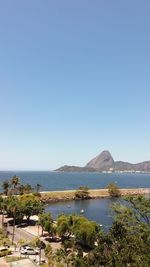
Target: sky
[[74, 81]]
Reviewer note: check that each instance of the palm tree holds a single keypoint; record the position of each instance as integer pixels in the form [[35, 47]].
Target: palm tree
[[5, 186], [14, 222], [27, 188], [2, 209], [15, 181], [21, 242], [38, 186], [13, 207], [37, 242], [49, 254]]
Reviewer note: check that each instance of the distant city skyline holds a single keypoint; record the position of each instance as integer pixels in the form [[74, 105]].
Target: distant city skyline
[[75, 80]]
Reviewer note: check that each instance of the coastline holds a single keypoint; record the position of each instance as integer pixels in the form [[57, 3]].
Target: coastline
[[59, 196]]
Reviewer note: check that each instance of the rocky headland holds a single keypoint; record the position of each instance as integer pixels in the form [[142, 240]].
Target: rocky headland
[[105, 162]]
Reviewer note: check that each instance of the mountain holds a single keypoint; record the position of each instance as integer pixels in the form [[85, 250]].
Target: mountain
[[105, 162]]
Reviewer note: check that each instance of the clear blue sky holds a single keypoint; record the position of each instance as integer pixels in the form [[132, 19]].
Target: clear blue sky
[[74, 80]]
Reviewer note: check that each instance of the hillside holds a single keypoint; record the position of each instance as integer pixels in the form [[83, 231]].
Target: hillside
[[105, 162]]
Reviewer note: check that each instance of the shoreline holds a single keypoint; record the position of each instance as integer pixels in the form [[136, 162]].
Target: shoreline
[[66, 195]]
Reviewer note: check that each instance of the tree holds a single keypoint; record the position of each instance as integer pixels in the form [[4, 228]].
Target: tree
[[82, 193], [136, 214], [63, 226], [64, 255], [27, 189], [37, 188], [13, 208], [15, 181], [50, 256], [37, 242], [85, 231], [10, 203], [44, 220], [31, 205], [6, 186], [113, 190], [21, 242], [127, 243]]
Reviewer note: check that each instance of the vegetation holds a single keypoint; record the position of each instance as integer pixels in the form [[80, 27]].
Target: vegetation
[[113, 190], [13, 258], [83, 243], [127, 242], [82, 193], [46, 222], [14, 187], [4, 240]]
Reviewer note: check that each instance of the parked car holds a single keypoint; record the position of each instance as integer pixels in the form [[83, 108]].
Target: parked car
[[27, 250], [4, 252]]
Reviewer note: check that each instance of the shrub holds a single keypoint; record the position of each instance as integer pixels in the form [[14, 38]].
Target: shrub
[[113, 190], [82, 193]]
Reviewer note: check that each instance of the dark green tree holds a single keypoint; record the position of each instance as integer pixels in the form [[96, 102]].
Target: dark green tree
[[6, 186], [113, 190], [82, 193]]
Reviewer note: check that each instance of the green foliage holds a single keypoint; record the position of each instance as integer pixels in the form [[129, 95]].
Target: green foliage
[[81, 228], [85, 231], [113, 190], [6, 186], [4, 240], [31, 205], [128, 240], [82, 193], [37, 188], [15, 180], [45, 221], [126, 244], [63, 226], [37, 242], [49, 254], [25, 205]]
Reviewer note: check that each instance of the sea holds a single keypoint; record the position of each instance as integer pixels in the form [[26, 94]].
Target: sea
[[98, 210]]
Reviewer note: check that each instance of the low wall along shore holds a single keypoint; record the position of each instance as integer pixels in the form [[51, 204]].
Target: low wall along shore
[[54, 196]]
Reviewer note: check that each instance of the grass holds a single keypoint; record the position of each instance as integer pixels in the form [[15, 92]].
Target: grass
[[13, 258], [94, 193]]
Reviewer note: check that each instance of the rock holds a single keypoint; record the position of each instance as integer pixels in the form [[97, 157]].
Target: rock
[[103, 161]]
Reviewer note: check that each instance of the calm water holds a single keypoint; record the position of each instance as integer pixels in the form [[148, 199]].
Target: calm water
[[96, 209], [63, 181]]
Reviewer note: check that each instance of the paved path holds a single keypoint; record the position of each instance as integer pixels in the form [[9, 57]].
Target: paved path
[[20, 234], [3, 263]]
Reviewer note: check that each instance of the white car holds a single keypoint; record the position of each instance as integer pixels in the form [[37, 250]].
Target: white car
[[27, 250]]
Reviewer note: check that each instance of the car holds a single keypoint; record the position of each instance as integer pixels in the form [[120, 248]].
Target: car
[[54, 239], [4, 252], [27, 250]]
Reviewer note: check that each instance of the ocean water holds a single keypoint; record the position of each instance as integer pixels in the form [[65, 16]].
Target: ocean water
[[98, 210], [64, 181]]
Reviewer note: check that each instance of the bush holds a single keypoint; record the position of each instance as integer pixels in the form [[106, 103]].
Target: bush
[[82, 193], [113, 190]]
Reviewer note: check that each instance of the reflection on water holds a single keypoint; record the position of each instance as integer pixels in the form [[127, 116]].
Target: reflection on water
[[98, 210]]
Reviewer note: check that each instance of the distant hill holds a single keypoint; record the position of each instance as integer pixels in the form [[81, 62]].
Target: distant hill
[[105, 162]]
